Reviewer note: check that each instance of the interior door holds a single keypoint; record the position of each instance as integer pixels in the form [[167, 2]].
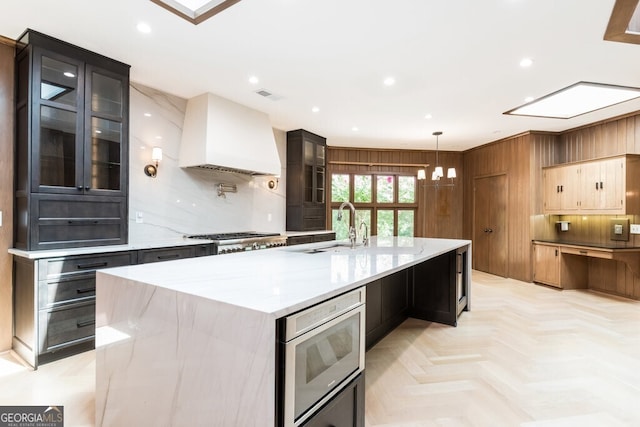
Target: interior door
[[490, 244]]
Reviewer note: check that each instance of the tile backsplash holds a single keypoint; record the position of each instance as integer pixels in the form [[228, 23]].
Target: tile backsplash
[[185, 201]]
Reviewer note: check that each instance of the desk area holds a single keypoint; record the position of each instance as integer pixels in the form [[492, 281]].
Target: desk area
[[574, 266]]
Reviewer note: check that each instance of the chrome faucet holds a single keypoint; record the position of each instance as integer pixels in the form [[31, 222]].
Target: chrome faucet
[[365, 236], [352, 228]]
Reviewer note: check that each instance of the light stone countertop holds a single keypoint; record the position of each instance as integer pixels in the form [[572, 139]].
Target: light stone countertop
[[199, 334], [283, 280], [92, 250]]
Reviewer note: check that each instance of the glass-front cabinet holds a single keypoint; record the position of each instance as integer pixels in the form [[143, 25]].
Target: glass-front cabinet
[[72, 109], [306, 175], [78, 121]]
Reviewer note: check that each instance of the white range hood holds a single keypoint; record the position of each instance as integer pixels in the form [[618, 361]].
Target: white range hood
[[223, 135]]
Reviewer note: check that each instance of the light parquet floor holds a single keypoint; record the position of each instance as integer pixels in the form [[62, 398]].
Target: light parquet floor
[[525, 355]]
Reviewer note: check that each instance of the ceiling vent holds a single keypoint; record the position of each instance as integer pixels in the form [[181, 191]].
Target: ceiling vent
[[268, 95]]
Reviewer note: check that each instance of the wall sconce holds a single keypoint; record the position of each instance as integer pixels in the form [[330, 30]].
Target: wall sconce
[[273, 182], [422, 174], [156, 156]]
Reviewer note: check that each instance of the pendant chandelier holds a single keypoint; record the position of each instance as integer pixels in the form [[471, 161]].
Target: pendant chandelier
[[438, 172]]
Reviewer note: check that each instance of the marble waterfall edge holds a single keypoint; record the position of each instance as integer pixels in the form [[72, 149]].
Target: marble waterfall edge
[[195, 359]]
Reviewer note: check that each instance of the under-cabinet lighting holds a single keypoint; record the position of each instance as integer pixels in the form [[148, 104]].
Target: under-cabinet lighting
[[579, 98]]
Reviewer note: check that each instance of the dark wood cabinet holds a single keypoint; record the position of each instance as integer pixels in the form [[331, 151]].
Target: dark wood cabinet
[[72, 149], [306, 167], [146, 256], [387, 306], [346, 409], [440, 287], [54, 304], [310, 238], [54, 298]]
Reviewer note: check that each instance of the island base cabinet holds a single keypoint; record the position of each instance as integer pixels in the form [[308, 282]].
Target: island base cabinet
[[387, 306], [434, 289], [346, 409]]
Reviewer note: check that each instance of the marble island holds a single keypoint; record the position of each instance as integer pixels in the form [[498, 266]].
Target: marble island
[[193, 341]]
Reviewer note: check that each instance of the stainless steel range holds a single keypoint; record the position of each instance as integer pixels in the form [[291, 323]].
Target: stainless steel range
[[243, 241]]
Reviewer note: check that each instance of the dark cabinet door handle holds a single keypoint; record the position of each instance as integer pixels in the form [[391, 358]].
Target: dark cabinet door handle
[[557, 188], [490, 230], [85, 323], [596, 185], [561, 188], [86, 187], [82, 222], [584, 252], [171, 256], [601, 185], [79, 187], [556, 252], [86, 290], [92, 265]]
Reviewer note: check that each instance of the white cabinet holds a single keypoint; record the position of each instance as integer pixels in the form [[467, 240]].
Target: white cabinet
[[606, 186]]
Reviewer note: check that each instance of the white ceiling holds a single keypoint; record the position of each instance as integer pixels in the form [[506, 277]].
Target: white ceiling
[[456, 60]]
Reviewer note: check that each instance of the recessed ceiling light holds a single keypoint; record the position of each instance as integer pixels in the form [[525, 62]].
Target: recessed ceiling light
[[158, 137], [526, 62], [579, 98], [143, 27], [147, 114], [315, 109], [529, 99], [389, 81], [428, 116], [355, 129], [253, 80], [98, 131], [69, 74]]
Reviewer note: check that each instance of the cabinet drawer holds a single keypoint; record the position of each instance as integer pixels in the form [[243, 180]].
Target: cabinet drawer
[[69, 289], [324, 237], [299, 240], [65, 221], [156, 255], [57, 267], [587, 252], [60, 328]]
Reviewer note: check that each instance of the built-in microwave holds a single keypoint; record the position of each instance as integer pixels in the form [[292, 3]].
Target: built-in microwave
[[321, 349]]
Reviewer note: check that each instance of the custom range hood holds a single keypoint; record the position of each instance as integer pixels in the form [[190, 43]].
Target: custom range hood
[[222, 135]]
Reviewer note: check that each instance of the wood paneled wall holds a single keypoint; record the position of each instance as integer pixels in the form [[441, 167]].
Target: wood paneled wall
[[7, 52], [612, 137], [440, 211], [510, 156], [607, 138]]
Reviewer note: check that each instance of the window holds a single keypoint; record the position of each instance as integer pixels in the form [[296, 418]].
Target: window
[[386, 203]]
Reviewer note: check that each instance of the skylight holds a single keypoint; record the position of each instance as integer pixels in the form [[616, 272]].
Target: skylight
[[577, 99], [195, 11], [634, 22], [624, 23]]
